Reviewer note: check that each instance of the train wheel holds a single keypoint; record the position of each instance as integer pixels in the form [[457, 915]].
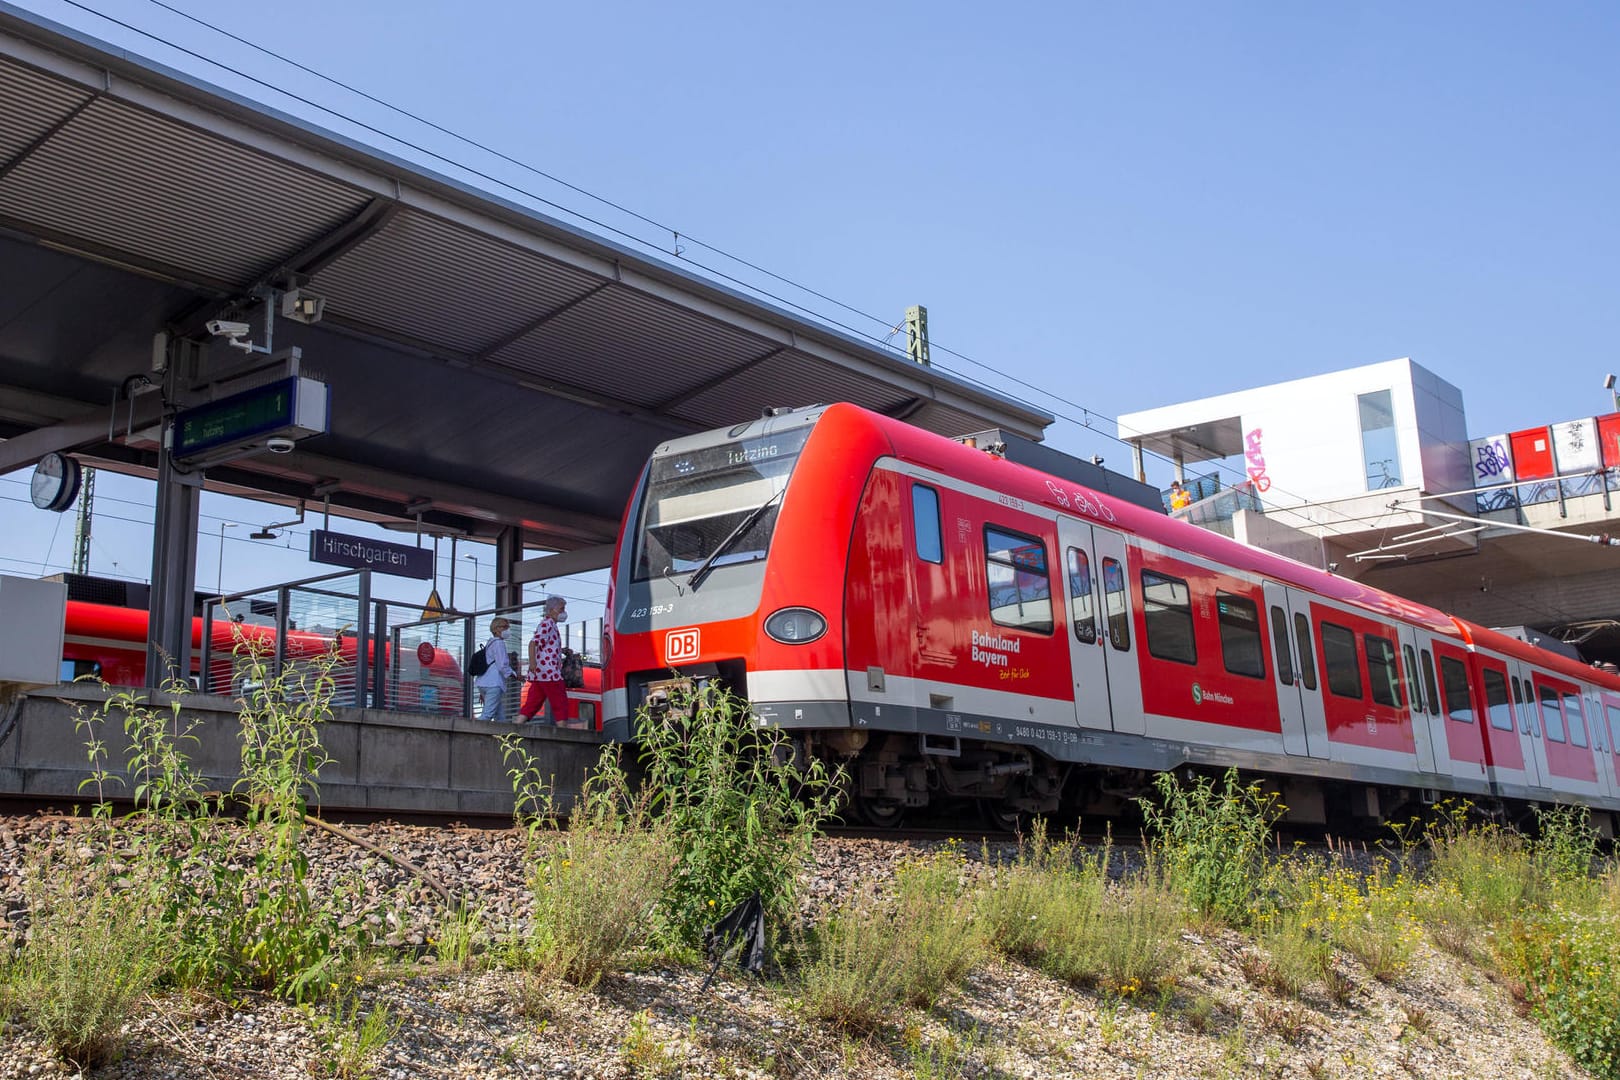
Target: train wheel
[[879, 813], [997, 815]]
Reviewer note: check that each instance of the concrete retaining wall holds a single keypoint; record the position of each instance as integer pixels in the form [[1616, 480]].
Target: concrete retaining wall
[[382, 761]]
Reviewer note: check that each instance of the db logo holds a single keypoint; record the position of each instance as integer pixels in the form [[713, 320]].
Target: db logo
[[681, 645]]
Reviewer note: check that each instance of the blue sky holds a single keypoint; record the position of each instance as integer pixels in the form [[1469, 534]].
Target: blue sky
[[1123, 205]]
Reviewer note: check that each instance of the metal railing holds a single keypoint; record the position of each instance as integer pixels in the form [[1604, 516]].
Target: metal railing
[[287, 626], [428, 656], [422, 666], [1216, 512]]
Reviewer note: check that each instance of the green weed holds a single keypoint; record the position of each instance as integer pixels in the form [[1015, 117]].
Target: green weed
[[1210, 841], [908, 948], [91, 958], [740, 807], [352, 1038]]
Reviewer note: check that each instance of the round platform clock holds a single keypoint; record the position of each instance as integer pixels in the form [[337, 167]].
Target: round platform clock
[[56, 482]]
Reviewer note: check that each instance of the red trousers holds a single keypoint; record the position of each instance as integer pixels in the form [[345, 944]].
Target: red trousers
[[552, 692]]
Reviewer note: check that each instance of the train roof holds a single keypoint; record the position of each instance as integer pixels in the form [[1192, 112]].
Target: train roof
[[1508, 645], [925, 448]]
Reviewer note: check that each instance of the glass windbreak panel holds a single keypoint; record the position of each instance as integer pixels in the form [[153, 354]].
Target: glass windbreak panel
[[1082, 605], [1020, 589], [1552, 717], [1381, 671], [697, 499], [1432, 695], [1167, 615], [1240, 635], [925, 520], [1496, 701], [1118, 611], [1380, 449], [1279, 646], [1409, 678], [1454, 682], [1307, 655], [1339, 654], [1577, 726]]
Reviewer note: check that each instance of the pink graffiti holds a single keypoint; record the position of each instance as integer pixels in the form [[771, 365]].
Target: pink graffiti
[[1257, 463]]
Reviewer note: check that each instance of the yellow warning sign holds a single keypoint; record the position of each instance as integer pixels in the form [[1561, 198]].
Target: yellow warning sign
[[434, 608]]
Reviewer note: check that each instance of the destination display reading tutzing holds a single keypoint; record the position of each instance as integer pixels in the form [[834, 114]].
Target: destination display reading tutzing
[[714, 505]]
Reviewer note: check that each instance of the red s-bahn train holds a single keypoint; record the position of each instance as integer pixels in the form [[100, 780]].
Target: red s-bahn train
[[951, 625]]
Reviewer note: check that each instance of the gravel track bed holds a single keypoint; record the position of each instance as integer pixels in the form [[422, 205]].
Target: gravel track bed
[[1443, 1020]]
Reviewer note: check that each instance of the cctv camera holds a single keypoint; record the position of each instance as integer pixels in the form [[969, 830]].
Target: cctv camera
[[279, 446], [222, 328]]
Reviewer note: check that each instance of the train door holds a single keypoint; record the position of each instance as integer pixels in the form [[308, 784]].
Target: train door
[[1460, 742], [1088, 629], [1118, 627], [1524, 703], [1299, 696], [1610, 721], [1598, 726], [1420, 707], [1504, 752]]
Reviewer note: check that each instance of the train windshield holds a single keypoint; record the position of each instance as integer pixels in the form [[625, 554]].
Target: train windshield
[[714, 506]]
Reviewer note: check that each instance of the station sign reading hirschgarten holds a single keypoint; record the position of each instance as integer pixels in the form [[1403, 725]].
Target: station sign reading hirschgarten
[[360, 553]]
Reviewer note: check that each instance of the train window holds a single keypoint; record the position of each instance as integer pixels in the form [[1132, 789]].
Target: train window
[[1518, 704], [1280, 653], [1577, 727], [78, 669], [1167, 613], [1307, 655], [925, 520], [1552, 719], [1020, 590], [1496, 701], [1339, 655], [1432, 695], [1454, 680], [1240, 635], [713, 506], [1082, 604], [1381, 671], [1614, 727], [1409, 677], [1527, 714], [1118, 611]]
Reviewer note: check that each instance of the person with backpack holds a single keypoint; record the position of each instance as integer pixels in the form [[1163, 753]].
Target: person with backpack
[[545, 666], [497, 668]]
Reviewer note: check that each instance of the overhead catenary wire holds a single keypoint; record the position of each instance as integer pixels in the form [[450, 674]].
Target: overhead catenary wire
[[679, 237], [1085, 420]]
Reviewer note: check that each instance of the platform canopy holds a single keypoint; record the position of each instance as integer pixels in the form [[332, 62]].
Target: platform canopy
[[489, 366]]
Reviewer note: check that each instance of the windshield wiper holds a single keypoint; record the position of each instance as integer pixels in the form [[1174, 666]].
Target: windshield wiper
[[731, 538]]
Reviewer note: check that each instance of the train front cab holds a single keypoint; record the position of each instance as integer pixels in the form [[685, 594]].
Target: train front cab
[[731, 565]]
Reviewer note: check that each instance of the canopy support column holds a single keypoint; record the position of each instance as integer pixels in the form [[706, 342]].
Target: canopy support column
[[174, 568]]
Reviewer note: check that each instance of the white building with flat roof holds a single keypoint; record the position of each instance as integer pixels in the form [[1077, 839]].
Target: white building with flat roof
[[1325, 455], [1370, 472]]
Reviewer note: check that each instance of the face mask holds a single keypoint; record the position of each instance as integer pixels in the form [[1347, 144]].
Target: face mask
[[501, 635]]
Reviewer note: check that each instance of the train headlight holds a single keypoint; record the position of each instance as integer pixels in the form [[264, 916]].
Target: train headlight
[[796, 625]]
